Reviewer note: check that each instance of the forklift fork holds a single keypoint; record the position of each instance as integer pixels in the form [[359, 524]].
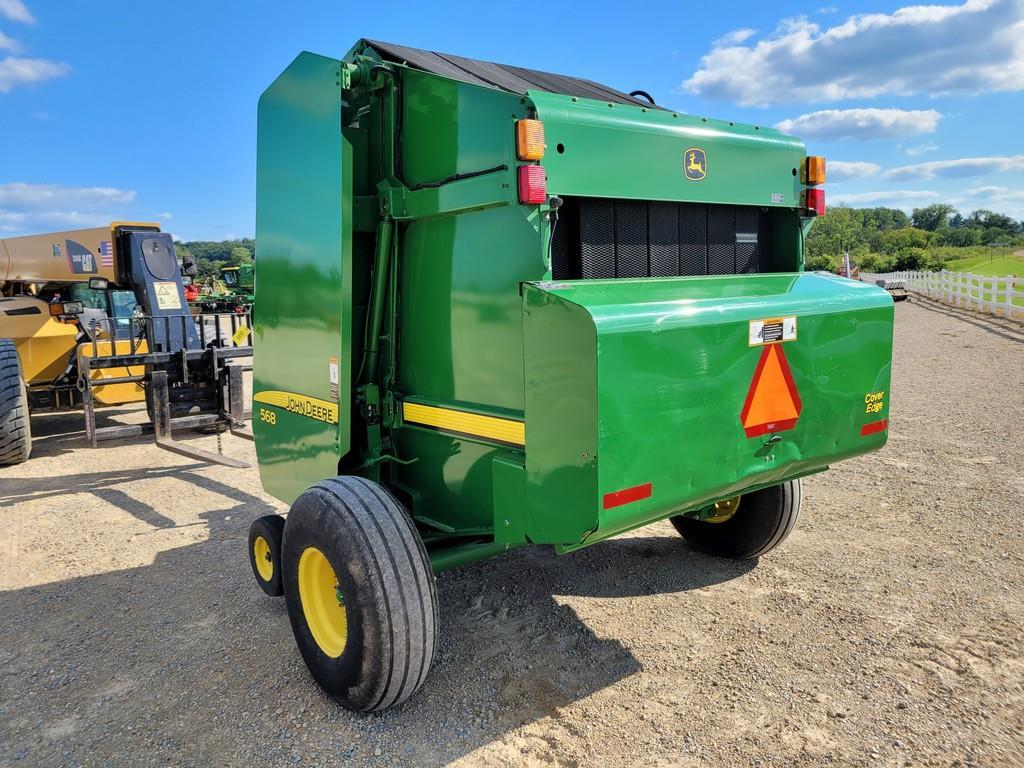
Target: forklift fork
[[160, 397]]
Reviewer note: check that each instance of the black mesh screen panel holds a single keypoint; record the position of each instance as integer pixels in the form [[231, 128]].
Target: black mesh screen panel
[[721, 240], [597, 238], [601, 238], [693, 239], [631, 238], [747, 220], [663, 239]]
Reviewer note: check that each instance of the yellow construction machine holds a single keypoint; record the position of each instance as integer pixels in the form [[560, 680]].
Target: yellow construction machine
[[97, 317]]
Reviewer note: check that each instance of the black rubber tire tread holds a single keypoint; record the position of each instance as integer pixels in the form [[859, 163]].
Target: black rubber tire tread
[[764, 520], [387, 583], [15, 427], [271, 528]]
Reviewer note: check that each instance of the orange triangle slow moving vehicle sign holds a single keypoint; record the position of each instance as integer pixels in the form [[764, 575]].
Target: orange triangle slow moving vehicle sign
[[772, 404]]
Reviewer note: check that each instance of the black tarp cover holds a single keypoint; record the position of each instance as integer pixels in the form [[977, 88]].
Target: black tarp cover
[[507, 78]]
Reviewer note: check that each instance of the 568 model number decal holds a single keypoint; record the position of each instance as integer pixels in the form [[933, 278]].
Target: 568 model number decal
[[302, 405]]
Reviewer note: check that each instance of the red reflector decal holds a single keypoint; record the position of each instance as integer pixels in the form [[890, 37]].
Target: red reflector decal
[[816, 201], [874, 426], [628, 495], [533, 185]]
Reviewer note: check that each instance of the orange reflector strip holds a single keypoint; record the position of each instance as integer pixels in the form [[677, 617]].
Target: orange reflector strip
[[873, 427], [773, 403], [814, 170], [628, 495], [529, 139]]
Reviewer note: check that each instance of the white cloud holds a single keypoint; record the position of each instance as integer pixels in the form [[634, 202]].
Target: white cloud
[[1000, 199], [840, 170], [16, 71], [24, 223], [9, 44], [869, 123], [897, 198], [992, 191], [933, 49], [956, 169], [735, 37], [15, 10], [29, 208], [28, 197], [920, 149]]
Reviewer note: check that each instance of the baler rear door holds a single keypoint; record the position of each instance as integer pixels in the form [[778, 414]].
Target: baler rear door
[[302, 372], [649, 397]]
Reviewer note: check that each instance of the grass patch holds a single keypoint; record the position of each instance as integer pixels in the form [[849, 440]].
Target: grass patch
[[997, 266]]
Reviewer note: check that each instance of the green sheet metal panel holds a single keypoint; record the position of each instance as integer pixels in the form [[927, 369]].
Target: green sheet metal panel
[[303, 311], [666, 366], [460, 319], [601, 150]]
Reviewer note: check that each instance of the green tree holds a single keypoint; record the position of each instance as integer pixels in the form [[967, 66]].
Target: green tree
[[932, 217], [241, 255], [960, 237], [833, 234], [991, 220], [896, 241], [881, 219], [911, 258]]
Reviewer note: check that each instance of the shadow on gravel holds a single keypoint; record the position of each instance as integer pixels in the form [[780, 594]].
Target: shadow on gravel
[[185, 661], [57, 433], [994, 325]]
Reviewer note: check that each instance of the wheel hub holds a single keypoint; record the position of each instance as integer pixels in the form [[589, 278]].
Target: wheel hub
[[264, 560], [322, 602], [723, 510]]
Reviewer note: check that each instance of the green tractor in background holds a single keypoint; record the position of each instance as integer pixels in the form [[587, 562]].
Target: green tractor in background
[[233, 291]]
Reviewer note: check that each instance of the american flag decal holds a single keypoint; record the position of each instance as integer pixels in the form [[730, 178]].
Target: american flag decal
[[106, 253]]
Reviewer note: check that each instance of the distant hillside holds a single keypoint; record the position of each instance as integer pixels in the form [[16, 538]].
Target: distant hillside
[[211, 256], [887, 239]]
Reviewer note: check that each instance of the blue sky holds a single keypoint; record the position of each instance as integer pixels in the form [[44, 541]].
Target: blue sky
[[146, 110]]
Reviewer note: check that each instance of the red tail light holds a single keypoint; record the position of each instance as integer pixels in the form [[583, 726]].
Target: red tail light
[[533, 187], [816, 201]]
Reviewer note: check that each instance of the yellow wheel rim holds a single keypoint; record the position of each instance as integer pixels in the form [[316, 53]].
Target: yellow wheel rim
[[264, 560], [322, 602], [724, 510]]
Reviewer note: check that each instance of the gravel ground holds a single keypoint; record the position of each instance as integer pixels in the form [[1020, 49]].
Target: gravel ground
[[886, 631]]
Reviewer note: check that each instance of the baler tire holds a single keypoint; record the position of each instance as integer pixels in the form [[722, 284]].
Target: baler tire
[[762, 521], [15, 425], [376, 651], [265, 536]]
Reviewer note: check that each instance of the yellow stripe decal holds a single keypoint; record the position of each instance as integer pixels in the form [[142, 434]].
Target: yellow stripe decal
[[303, 405], [490, 427]]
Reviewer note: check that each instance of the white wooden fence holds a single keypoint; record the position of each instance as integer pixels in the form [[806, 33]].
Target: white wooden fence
[[993, 295]]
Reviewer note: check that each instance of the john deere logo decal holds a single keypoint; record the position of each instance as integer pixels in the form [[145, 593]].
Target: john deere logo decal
[[695, 164]]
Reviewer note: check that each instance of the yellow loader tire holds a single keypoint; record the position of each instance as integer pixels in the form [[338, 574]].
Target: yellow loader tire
[[15, 428], [360, 593]]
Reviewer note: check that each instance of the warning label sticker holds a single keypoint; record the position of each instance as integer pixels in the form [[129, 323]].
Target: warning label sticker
[[239, 336], [772, 331], [167, 295], [333, 376]]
